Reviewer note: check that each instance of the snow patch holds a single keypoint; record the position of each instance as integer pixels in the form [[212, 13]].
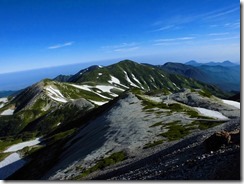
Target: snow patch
[[58, 99], [55, 94], [104, 88], [114, 80], [175, 85], [232, 103], [87, 88], [10, 164], [128, 79], [22, 145], [211, 113], [84, 87], [137, 80], [98, 103], [7, 112], [4, 100], [100, 74]]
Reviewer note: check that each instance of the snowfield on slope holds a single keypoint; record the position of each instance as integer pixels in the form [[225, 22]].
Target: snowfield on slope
[[232, 103], [22, 145], [55, 94], [10, 164], [211, 113], [102, 88], [98, 103], [4, 100], [128, 79], [7, 112]]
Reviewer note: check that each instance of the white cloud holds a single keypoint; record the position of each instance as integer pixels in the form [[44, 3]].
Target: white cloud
[[174, 39], [126, 49], [61, 45], [218, 34], [123, 47], [221, 13], [164, 28], [227, 38]]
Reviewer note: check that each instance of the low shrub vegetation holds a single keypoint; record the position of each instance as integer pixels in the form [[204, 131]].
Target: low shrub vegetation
[[152, 144], [101, 164]]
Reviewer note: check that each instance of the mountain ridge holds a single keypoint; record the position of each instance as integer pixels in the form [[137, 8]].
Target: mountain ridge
[[107, 115]]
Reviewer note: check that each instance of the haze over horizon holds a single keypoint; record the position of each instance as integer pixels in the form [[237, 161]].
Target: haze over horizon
[[42, 34]]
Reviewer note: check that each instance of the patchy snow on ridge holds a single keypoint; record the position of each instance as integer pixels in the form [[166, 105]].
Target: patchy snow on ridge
[[84, 87], [128, 79], [22, 145], [58, 99], [98, 103], [133, 76], [87, 88], [175, 85], [114, 80], [7, 112], [104, 88], [55, 94], [211, 113], [10, 164], [4, 100], [232, 103]]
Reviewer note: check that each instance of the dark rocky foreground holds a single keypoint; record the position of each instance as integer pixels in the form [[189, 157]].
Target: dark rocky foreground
[[189, 159]]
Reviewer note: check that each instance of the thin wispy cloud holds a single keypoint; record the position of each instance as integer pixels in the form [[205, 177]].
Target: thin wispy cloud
[[221, 13], [177, 20], [227, 38], [61, 45], [164, 28], [123, 47], [166, 43], [126, 49], [174, 39], [218, 34], [234, 25]]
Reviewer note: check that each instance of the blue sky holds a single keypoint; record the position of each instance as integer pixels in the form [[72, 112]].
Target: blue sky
[[45, 33]]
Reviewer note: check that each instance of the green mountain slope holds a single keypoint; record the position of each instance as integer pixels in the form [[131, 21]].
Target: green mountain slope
[[96, 85]]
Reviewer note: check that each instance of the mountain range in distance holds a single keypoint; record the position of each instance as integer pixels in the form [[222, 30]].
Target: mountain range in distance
[[225, 75], [224, 63], [19, 80]]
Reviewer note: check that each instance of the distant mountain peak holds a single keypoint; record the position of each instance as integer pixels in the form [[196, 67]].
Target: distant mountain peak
[[193, 63], [127, 61], [226, 63]]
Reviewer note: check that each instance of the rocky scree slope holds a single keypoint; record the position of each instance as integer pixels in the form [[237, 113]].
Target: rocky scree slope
[[133, 125], [186, 160]]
